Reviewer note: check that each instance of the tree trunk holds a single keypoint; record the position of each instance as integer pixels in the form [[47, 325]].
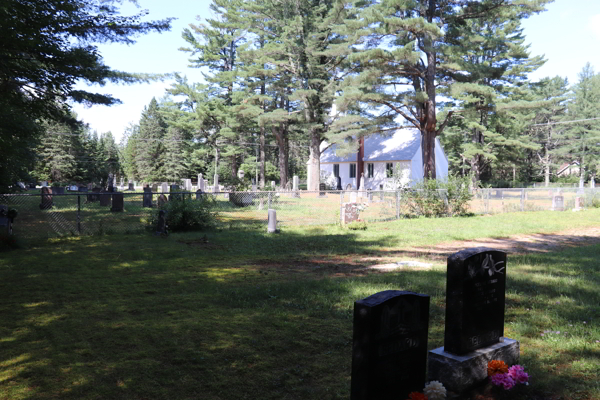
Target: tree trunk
[[281, 146], [263, 158], [315, 161], [428, 119]]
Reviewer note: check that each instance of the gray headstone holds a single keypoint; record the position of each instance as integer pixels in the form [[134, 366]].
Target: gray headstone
[[296, 182], [187, 184], [558, 203], [349, 213], [389, 345], [272, 222], [154, 187], [162, 200], [201, 184], [164, 187], [475, 290], [272, 184], [147, 197], [216, 184]]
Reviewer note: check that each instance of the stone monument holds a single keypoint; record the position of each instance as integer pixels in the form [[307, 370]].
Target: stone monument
[[389, 345], [474, 333], [105, 198], [272, 221], [558, 203], [46, 202], [349, 213], [147, 197], [117, 202], [162, 200]]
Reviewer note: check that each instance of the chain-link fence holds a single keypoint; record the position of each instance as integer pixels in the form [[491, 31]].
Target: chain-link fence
[[51, 215]]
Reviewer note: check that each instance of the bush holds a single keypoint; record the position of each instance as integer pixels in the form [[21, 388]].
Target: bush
[[187, 214], [433, 198], [358, 225]]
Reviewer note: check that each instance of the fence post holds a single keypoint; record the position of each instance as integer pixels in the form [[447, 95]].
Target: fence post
[[397, 204], [79, 214], [341, 197], [522, 199], [269, 204]]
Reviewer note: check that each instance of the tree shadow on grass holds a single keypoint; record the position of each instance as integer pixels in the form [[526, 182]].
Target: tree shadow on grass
[[146, 317]]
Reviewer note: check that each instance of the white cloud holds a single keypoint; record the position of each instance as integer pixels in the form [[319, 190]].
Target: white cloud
[[594, 25]]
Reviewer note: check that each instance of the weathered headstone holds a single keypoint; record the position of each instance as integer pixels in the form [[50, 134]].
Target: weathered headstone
[[216, 184], [164, 187], [187, 184], [272, 221], [130, 186], [162, 200], [117, 202], [474, 333], [349, 186], [349, 213], [273, 185], [579, 203], [154, 187], [558, 203], [104, 198], [201, 184], [161, 228], [322, 188], [295, 183], [339, 183], [199, 194], [147, 197], [389, 345]]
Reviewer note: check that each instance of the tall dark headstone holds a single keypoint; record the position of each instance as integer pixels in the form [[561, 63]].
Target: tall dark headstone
[[339, 183], [147, 197], [199, 194], [389, 346], [46, 198], [104, 198], [475, 290], [130, 186], [117, 202]]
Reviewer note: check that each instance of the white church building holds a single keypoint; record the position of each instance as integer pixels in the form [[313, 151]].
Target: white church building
[[382, 155]]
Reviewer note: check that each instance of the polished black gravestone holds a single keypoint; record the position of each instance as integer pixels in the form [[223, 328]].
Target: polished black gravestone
[[475, 287], [389, 348], [474, 335], [104, 198]]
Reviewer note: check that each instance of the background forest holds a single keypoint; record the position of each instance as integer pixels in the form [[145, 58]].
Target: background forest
[[274, 69]]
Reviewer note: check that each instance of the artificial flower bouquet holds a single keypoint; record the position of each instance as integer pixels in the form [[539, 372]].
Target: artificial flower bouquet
[[501, 375]]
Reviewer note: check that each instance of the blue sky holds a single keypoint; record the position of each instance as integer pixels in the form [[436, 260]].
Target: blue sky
[[568, 34]]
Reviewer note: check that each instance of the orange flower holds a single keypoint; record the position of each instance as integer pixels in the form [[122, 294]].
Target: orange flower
[[417, 396], [497, 367]]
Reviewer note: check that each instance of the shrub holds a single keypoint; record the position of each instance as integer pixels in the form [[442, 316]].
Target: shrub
[[358, 225], [434, 198], [185, 214]]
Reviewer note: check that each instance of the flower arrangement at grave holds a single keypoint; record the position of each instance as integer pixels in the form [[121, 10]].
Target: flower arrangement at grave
[[434, 390], [501, 375]]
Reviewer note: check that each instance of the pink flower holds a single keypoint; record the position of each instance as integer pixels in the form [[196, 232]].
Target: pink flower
[[518, 374], [503, 380]]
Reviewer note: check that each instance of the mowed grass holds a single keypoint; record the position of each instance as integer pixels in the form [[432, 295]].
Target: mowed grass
[[239, 314]]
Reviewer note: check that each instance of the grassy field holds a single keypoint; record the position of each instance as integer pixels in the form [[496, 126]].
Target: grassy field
[[239, 314]]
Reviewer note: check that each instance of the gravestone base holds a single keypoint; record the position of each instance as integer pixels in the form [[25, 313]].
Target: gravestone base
[[459, 373]]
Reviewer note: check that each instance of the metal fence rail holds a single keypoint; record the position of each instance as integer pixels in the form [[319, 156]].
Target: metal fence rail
[[82, 213]]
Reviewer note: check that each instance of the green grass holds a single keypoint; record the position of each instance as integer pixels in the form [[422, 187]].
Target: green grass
[[239, 314]]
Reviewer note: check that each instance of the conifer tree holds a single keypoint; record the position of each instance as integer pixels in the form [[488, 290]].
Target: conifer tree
[[426, 37], [580, 141], [149, 147]]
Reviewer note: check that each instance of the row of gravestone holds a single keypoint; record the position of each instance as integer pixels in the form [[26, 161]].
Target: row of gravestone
[[389, 351]]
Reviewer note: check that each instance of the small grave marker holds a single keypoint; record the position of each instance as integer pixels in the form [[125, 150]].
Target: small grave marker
[[558, 203], [349, 213]]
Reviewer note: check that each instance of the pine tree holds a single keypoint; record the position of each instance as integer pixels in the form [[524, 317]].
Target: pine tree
[[149, 147], [427, 40], [580, 140]]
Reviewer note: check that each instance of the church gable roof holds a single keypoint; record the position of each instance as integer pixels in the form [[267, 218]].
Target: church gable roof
[[402, 145]]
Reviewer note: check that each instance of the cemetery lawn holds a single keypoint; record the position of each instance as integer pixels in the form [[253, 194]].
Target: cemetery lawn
[[239, 314]]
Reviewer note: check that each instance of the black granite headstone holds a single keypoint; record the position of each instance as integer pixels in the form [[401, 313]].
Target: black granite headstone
[[117, 202], [339, 183], [389, 347], [104, 198], [475, 290], [199, 194]]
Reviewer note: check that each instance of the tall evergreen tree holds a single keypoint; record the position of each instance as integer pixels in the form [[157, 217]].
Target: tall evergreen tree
[[149, 147], [426, 38], [46, 47], [580, 141]]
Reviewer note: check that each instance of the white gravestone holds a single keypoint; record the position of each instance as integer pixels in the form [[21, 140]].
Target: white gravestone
[[272, 222], [295, 185], [216, 184]]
